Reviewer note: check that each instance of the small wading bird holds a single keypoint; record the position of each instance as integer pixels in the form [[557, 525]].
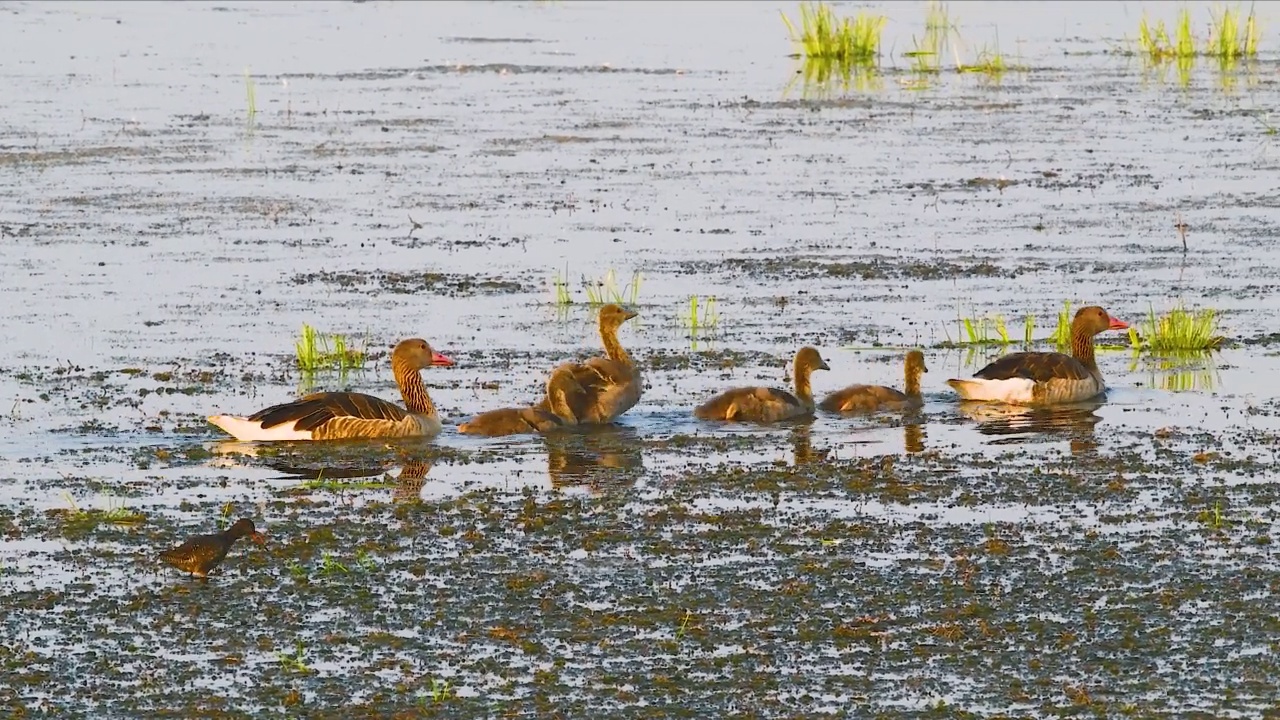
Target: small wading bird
[[351, 415], [202, 553], [1045, 378]]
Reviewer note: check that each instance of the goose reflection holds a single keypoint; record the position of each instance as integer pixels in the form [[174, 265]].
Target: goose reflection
[[595, 455], [913, 435], [802, 450], [1017, 424], [337, 464]]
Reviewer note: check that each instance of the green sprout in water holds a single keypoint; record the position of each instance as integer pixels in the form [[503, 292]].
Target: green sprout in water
[[684, 625], [320, 351], [115, 513], [330, 565], [560, 288], [823, 36], [702, 315], [987, 330], [295, 662], [1214, 517], [1154, 42], [926, 54], [249, 93], [441, 690], [605, 291], [1177, 330], [1228, 40], [1061, 336]]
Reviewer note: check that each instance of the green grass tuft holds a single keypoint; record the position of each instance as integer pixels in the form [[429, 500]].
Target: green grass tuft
[[320, 351], [250, 95], [599, 292], [1228, 38], [823, 36], [1177, 330], [606, 290]]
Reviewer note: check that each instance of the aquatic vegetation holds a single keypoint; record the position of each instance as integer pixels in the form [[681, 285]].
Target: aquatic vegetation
[[78, 520], [250, 96], [844, 40], [926, 52], [1228, 40], [439, 692], [706, 318], [1179, 371], [989, 62], [560, 288], [985, 330], [1155, 44], [295, 662], [329, 565], [606, 290], [1061, 336], [1177, 330], [320, 351], [365, 560], [1213, 517], [823, 79], [599, 292], [684, 624], [298, 573]]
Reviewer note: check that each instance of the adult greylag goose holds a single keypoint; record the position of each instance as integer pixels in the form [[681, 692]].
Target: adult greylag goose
[[765, 404], [611, 384], [351, 415], [1045, 378], [563, 392], [870, 398], [202, 553]]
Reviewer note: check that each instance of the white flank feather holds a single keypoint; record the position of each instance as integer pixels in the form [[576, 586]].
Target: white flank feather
[[247, 430], [1017, 391]]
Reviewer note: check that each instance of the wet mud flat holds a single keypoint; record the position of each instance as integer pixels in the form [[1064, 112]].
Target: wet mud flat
[[1130, 582], [162, 252]]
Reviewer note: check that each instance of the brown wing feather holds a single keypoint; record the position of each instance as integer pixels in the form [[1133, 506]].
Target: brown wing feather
[[510, 421], [749, 403], [315, 409], [861, 397], [596, 376], [1035, 366]]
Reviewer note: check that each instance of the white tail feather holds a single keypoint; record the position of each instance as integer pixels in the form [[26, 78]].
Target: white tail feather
[[247, 430], [1018, 391]]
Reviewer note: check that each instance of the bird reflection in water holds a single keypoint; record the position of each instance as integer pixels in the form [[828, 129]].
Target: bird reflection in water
[[354, 466], [1018, 424], [599, 456], [802, 449]]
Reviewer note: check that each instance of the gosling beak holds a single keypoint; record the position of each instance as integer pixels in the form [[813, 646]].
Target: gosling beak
[[440, 360], [1117, 324], [822, 365], [627, 315]]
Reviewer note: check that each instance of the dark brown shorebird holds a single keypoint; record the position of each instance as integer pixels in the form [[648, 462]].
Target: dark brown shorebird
[[202, 553]]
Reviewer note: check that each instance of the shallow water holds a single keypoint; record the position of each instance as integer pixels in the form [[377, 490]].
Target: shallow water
[[161, 253]]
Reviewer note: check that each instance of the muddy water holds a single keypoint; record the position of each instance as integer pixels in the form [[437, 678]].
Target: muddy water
[[426, 169]]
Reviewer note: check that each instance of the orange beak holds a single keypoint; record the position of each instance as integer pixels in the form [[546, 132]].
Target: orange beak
[[1117, 324], [441, 360], [258, 538]]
